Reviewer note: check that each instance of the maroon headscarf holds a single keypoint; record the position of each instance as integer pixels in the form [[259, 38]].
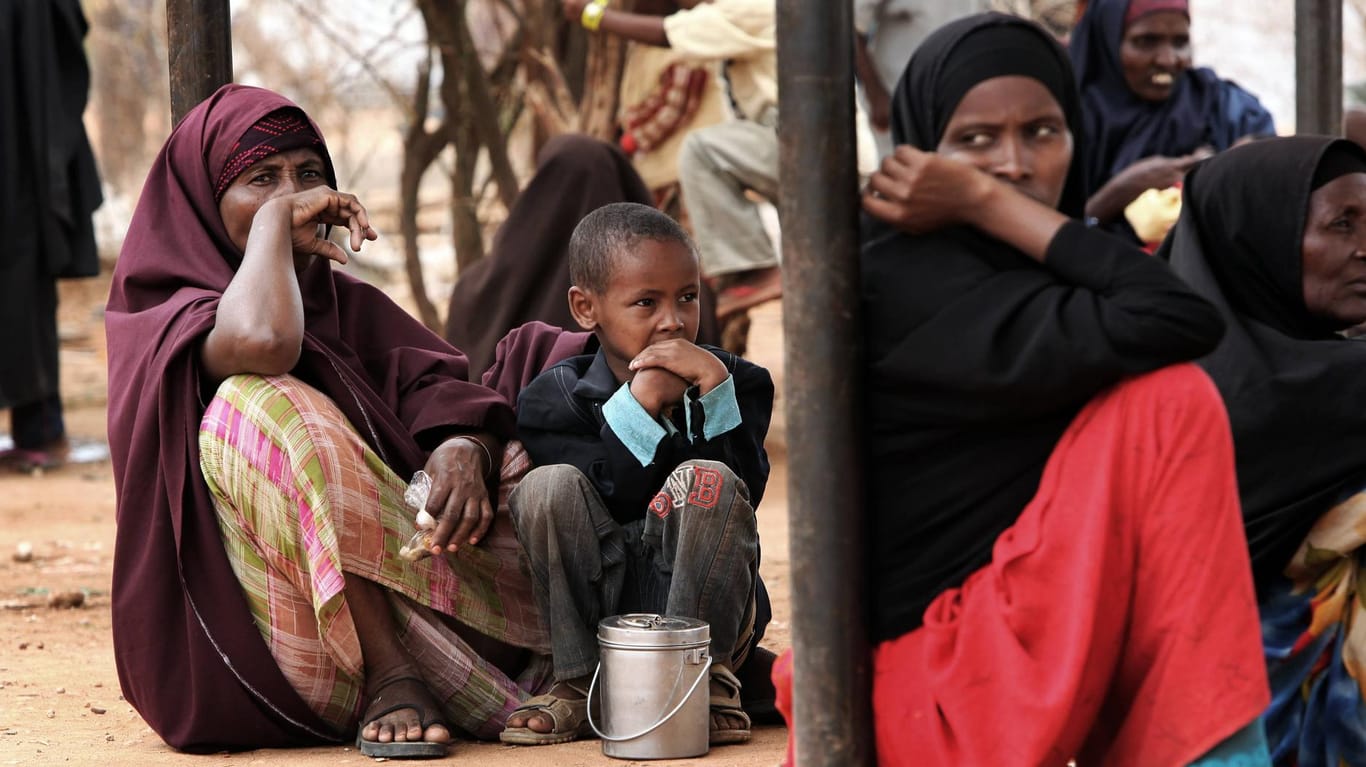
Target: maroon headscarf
[[189, 656], [1140, 8], [279, 131]]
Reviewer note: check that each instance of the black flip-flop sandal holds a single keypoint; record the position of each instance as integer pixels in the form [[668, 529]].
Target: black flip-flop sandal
[[401, 749]]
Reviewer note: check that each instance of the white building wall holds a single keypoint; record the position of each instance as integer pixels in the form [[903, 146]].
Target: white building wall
[[1253, 43]]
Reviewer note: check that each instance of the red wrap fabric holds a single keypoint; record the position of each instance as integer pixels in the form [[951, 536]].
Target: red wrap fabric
[[1116, 622]]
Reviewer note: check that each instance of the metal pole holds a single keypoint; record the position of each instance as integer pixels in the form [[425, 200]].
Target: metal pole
[[199, 34], [1318, 66], [818, 209]]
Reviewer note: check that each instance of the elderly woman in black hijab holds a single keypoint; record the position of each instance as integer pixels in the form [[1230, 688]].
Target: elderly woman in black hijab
[[1274, 233], [1057, 564]]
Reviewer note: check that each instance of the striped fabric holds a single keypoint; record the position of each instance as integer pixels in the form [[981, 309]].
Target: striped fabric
[[301, 499]]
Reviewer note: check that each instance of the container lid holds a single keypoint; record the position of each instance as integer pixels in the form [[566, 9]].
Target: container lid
[[650, 630]]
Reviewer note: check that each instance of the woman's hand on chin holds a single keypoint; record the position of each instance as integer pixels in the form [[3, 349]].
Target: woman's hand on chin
[[312, 210]]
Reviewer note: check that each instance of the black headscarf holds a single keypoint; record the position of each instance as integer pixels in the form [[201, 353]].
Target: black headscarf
[[944, 69], [1294, 388], [941, 488]]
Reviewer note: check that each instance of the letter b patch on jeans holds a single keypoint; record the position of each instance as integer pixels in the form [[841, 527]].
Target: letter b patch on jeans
[[706, 488], [700, 486]]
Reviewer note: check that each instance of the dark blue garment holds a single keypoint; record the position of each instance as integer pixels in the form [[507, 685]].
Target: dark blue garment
[[1122, 128], [560, 420]]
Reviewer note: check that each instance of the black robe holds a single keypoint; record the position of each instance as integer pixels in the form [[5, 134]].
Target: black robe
[[979, 357], [48, 186], [1289, 381]]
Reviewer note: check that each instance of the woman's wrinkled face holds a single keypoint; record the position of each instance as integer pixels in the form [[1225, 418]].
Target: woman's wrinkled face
[[1012, 128], [293, 170], [1334, 251], [1155, 50]]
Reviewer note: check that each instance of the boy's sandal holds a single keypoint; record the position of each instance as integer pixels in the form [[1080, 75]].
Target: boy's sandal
[[401, 749], [727, 705], [569, 721]]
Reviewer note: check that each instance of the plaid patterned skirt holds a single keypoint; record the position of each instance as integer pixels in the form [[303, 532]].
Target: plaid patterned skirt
[[300, 499]]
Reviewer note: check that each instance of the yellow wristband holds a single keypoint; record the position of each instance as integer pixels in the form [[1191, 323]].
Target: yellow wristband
[[592, 15]]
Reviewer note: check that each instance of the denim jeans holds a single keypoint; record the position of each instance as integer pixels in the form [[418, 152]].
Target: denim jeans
[[695, 554]]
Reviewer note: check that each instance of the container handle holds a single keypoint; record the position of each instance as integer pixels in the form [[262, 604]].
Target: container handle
[[619, 738]]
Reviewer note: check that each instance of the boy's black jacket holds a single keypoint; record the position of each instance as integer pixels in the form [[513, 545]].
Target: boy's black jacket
[[559, 419]]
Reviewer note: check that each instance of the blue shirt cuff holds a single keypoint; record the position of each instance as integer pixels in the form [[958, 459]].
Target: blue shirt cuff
[[720, 410], [633, 425]]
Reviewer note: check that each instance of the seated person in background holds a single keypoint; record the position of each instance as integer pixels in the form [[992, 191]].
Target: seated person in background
[[1149, 115], [650, 462], [526, 273], [886, 33], [720, 163], [1275, 235], [265, 413], [664, 96], [1057, 563]]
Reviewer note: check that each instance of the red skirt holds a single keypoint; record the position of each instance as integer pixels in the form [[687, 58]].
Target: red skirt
[[1116, 622]]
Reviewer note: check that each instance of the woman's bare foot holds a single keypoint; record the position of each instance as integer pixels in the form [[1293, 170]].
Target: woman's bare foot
[[403, 710]]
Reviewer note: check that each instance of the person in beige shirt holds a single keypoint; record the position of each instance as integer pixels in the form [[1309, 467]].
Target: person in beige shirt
[[718, 164]]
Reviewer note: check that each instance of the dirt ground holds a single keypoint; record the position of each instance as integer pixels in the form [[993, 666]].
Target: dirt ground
[[59, 694]]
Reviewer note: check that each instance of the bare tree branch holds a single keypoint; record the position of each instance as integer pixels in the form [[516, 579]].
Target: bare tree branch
[[363, 58]]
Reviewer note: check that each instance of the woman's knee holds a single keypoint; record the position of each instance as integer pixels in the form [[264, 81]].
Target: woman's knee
[[1186, 377], [236, 387], [305, 403], [253, 402], [1182, 393]]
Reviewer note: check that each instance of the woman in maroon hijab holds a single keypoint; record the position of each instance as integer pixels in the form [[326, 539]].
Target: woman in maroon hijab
[[265, 411]]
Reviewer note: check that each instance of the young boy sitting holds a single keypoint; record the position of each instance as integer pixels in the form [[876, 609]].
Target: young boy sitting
[[651, 459]]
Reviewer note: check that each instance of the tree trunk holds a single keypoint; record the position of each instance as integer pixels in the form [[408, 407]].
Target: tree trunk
[[602, 85], [420, 149], [484, 114], [469, 237]]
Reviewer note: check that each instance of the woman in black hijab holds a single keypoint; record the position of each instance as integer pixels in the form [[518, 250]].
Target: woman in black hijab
[[1274, 233], [1057, 563]]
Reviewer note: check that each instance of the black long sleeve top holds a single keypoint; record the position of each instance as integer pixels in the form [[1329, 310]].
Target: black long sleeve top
[[560, 421], [978, 358]]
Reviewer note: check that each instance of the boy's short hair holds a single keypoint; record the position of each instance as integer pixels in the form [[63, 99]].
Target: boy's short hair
[[611, 230]]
